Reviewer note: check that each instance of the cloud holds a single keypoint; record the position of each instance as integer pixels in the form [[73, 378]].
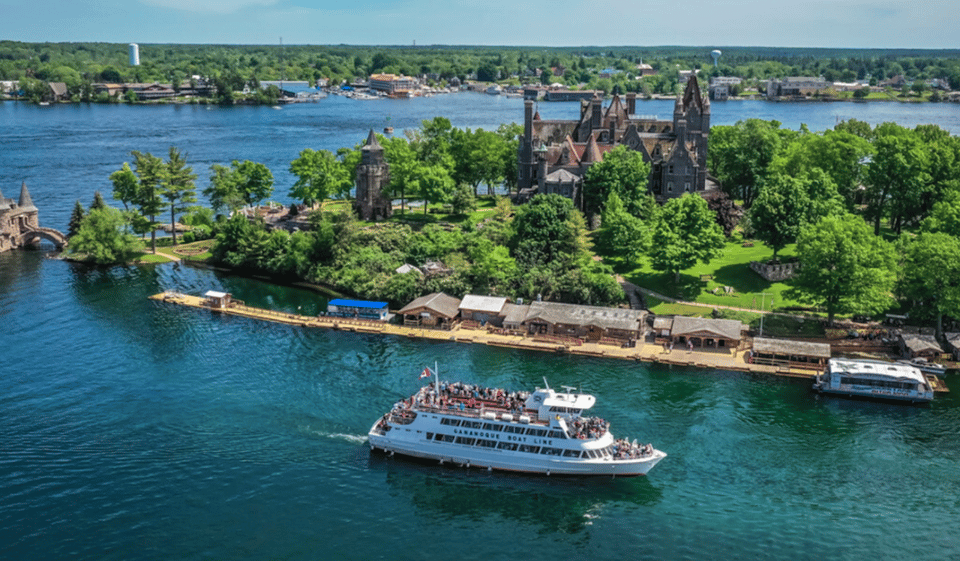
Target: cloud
[[214, 6]]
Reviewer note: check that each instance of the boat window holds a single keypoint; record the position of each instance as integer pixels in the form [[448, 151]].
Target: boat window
[[507, 446], [471, 424], [556, 434], [513, 428], [486, 443], [429, 436], [546, 450], [571, 453], [451, 422], [445, 437], [490, 426], [537, 432], [465, 440], [530, 449]]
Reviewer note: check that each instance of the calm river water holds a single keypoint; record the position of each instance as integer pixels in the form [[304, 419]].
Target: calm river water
[[136, 430]]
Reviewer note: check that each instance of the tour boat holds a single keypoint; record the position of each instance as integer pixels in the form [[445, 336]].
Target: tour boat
[[543, 432], [874, 379]]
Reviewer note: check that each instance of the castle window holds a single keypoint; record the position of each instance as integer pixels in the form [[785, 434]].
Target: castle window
[[669, 186], [670, 169], [686, 186]]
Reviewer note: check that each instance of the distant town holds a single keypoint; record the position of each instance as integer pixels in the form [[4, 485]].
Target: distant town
[[46, 73]]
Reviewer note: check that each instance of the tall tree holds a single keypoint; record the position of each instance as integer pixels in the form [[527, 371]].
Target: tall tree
[[177, 186], [930, 276], [243, 183], [844, 267], [76, 218], [739, 155], [623, 172], [150, 170], [685, 233], [432, 183], [320, 175], [897, 178], [945, 216], [402, 158], [787, 203]]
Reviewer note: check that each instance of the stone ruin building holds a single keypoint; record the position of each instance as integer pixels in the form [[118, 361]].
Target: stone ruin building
[[554, 155]]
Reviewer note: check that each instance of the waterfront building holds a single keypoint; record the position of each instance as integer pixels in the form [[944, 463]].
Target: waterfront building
[[373, 180], [700, 332], [676, 148], [392, 84], [20, 224], [784, 352], [953, 343], [593, 323], [363, 309], [433, 310], [796, 86], [925, 346], [483, 309]]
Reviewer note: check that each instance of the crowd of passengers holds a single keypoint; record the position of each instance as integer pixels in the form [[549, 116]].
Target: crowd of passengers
[[466, 396], [624, 450], [587, 427]]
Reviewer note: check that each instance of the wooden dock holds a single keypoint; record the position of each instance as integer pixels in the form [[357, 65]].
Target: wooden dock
[[719, 359]]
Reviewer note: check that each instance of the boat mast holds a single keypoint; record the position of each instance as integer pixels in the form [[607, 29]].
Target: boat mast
[[436, 378]]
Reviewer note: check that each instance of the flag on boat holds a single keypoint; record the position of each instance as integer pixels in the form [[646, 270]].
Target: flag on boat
[[426, 373]]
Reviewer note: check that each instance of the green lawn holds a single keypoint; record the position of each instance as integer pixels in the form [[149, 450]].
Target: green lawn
[[731, 269]]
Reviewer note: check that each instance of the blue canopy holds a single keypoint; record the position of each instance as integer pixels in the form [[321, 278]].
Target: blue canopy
[[357, 303]]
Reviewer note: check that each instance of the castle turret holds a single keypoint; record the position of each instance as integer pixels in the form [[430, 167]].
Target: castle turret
[[26, 203]]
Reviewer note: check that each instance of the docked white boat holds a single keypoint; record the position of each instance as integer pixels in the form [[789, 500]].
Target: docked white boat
[[874, 379], [925, 366], [542, 432]]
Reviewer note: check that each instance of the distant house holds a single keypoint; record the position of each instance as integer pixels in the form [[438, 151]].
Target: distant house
[[58, 92], [796, 86], [149, 92], [513, 316], [392, 83], [433, 310], [108, 88], [644, 69]]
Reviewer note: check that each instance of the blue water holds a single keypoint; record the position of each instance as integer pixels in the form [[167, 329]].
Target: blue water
[[131, 429]]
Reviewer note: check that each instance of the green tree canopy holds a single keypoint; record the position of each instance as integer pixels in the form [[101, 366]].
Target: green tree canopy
[[930, 277], [319, 176], [844, 268], [787, 203], [686, 232], [102, 238], [243, 183], [622, 171], [177, 186]]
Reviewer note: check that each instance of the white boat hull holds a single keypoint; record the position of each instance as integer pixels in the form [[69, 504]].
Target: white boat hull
[[504, 460]]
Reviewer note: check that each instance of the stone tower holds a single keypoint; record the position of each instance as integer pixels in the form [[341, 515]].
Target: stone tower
[[373, 181]]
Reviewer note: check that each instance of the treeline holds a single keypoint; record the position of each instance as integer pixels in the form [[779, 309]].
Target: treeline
[[874, 212], [538, 250], [233, 66]]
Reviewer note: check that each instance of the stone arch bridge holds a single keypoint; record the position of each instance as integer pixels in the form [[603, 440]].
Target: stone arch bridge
[[33, 234]]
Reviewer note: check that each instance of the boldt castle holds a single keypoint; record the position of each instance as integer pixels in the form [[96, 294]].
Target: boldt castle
[[554, 155]]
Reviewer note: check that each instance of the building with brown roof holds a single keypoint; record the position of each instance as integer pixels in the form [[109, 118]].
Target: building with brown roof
[[703, 332], [784, 352], [676, 149], [588, 322], [433, 310], [925, 346]]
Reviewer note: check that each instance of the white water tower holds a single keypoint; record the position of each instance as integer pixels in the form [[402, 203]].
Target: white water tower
[[134, 54], [716, 56]]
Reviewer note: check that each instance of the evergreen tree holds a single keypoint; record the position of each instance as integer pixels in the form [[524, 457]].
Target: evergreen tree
[[177, 186], [76, 218], [98, 202]]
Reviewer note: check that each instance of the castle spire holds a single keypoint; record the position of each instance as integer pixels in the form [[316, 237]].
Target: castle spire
[[26, 203], [372, 141]]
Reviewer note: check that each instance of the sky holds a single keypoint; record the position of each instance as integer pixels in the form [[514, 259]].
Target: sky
[[928, 24]]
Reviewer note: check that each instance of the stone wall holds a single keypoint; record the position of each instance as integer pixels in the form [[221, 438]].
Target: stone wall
[[775, 272]]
